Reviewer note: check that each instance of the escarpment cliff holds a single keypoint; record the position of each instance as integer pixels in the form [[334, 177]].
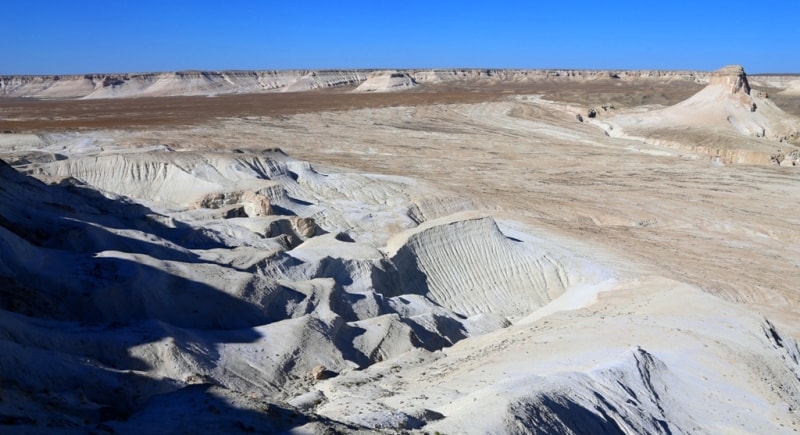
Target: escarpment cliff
[[174, 83], [244, 82]]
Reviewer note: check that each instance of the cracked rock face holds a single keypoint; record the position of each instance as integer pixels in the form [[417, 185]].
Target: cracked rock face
[[732, 76]]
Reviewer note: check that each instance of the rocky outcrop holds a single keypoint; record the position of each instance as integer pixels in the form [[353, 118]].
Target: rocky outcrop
[[727, 105], [731, 76], [387, 81], [256, 204]]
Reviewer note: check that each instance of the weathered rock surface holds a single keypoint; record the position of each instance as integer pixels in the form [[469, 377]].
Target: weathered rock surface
[[509, 270]]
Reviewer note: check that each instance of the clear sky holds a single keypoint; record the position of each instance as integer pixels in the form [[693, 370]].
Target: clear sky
[[88, 36]]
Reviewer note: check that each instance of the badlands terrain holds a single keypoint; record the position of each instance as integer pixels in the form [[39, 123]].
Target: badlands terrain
[[425, 251]]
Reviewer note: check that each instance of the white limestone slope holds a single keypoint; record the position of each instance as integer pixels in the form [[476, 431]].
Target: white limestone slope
[[725, 105], [651, 356], [465, 263], [170, 178], [243, 270]]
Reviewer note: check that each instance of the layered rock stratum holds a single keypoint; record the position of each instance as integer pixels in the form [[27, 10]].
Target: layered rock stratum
[[184, 83]]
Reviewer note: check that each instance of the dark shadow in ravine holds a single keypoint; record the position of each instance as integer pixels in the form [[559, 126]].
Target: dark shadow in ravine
[[77, 315], [204, 409]]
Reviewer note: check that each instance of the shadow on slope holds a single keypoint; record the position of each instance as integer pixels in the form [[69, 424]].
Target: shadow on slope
[[77, 218], [204, 407], [71, 253], [74, 309], [221, 411], [563, 415]]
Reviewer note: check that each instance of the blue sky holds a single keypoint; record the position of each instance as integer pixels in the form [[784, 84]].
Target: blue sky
[[65, 37]]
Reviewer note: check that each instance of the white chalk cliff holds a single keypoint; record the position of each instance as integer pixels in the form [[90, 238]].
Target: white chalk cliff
[[387, 82]]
